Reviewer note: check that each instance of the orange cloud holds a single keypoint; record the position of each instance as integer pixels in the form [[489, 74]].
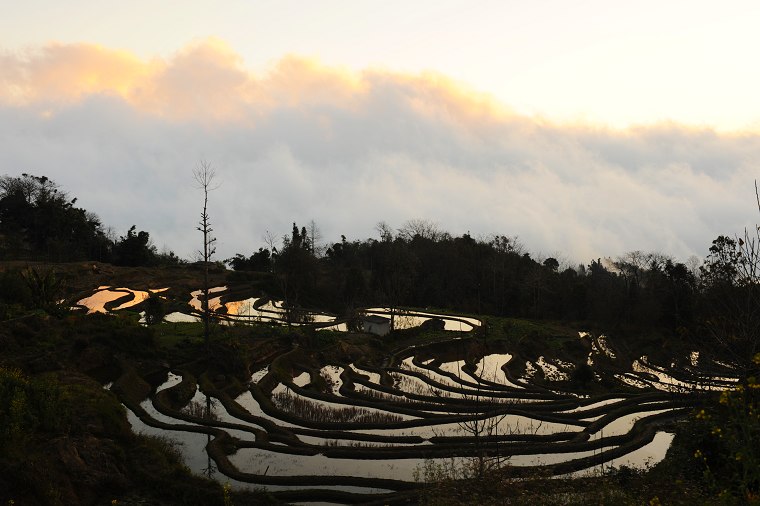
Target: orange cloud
[[207, 81], [69, 72], [196, 81]]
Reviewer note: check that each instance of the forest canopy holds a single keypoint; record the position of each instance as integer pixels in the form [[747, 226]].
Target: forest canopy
[[39, 221]]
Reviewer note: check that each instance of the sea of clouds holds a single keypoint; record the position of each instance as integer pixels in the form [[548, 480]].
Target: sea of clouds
[[304, 141]]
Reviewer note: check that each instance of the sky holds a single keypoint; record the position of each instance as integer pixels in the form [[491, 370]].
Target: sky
[[587, 129]]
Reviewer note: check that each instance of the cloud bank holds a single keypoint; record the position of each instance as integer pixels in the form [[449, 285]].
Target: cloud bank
[[304, 141]]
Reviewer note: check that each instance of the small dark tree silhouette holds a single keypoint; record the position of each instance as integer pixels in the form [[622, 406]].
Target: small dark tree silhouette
[[134, 249], [46, 290], [155, 309]]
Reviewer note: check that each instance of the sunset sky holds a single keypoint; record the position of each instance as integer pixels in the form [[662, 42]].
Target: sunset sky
[[586, 128]]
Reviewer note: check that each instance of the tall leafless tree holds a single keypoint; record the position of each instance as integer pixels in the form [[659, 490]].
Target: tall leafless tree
[[315, 236], [204, 176], [271, 241]]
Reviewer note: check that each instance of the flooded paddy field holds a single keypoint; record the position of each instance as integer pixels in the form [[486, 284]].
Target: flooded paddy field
[[351, 423]]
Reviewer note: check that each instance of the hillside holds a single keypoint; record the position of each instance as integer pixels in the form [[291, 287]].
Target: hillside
[[90, 455]]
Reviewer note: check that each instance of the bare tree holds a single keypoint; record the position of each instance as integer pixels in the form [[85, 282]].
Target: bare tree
[[385, 230], [204, 176], [425, 229], [315, 235], [692, 264], [749, 247], [271, 241]]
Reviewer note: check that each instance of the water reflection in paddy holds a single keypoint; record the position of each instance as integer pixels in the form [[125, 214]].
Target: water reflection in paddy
[[273, 311], [668, 383], [407, 319], [490, 368], [213, 303], [373, 376], [274, 463], [96, 302], [177, 317], [642, 458], [259, 461], [242, 307], [623, 424], [192, 448]]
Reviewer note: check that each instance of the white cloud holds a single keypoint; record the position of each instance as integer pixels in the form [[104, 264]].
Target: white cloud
[[350, 149]]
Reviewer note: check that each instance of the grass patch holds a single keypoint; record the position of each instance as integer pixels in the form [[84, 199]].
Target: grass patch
[[318, 412], [170, 335]]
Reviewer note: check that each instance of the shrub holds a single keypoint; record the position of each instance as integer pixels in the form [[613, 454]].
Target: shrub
[[28, 406], [725, 437]]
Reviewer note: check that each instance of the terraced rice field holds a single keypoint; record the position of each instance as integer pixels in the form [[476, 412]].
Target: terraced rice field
[[227, 307], [352, 431], [348, 428]]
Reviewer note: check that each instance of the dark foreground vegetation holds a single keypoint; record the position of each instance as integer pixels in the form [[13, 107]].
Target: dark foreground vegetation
[[66, 440]]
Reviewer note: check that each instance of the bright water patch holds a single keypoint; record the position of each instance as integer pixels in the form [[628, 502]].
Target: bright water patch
[[96, 302]]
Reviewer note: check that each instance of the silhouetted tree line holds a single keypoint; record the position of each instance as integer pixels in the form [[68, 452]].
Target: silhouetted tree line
[[39, 221], [420, 265]]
